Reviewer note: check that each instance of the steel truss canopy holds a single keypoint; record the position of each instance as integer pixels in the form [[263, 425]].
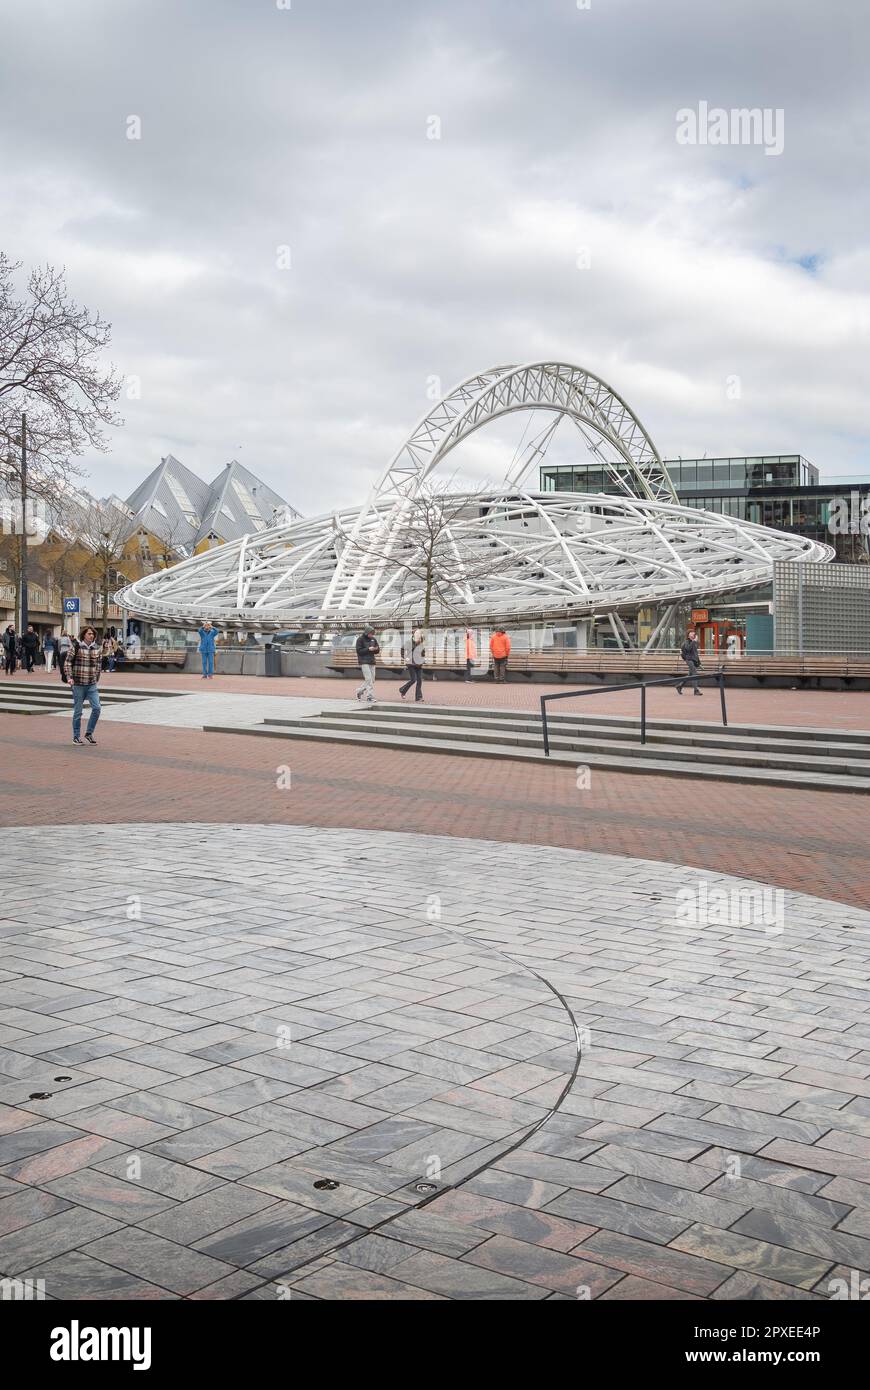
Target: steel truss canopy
[[512, 554]]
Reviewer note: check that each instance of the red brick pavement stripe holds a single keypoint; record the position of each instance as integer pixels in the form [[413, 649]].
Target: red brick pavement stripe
[[814, 708], [813, 842]]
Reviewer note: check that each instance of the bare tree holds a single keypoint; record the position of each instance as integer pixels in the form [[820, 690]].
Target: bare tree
[[104, 530], [430, 569], [49, 367]]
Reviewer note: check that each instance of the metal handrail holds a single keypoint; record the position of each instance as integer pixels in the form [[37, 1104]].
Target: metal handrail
[[717, 676]]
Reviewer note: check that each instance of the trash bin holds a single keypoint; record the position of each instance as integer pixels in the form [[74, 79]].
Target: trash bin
[[273, 659]]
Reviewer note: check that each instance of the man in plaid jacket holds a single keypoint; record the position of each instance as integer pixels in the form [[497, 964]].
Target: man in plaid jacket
[[83, 666]]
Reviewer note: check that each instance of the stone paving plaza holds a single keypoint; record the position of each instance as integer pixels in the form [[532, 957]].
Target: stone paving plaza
[[249, 1052]]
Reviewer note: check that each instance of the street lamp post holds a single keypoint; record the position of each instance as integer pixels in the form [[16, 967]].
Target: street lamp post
[[23, 586]]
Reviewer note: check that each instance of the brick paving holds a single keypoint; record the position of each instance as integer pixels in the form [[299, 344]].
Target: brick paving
[[815, 708], [814, 842], [515, 1073]]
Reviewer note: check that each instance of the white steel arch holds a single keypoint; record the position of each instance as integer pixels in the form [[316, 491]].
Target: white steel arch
[[602, 416]]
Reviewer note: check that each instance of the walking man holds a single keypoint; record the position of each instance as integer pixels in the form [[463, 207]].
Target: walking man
[[470, 654], [415, 668], [64, 646], [500, 647], [692, 657], [29, 647], [83, 666], [207, 635], [367, 648], [10, 650]]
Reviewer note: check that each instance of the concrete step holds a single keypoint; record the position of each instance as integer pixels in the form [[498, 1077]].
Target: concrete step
[[312, 731], [715, 740], [805, 759], [466, 713], [47, 697]]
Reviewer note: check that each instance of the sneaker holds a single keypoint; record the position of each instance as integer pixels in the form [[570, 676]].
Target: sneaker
[[90, 739], [697, 692], [678, 690], [76, 740]]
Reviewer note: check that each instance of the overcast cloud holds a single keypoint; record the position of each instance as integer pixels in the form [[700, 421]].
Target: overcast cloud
[[414, 258]]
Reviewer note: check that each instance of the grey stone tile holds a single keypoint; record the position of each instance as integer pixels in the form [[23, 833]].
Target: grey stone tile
[[41, 1167], [54, 1235], [730, 1202], [754, 1288], [205, 1139], [76, 1277], [35, 1139], [457, 1280], [613, 1215], [657, 1263], [251, 1155], [535, 1264], [25, 1206], [759, 1256], [158, 1261], [282, 1264], [123, 1201], [344, 1281], [175, 1180], [813, 1239], [428, 1231], [797, 1206], [249, 1240], [377, 1253]]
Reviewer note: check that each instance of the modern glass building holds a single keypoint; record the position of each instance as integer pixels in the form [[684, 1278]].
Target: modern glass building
[[779, 490]]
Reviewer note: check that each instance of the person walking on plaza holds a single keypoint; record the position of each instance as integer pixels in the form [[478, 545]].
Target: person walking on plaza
[[10, 650], [500, 647], [29, 647], [414, 667], [83, 666], [692, 657], [470, 654], [207, 635], [367, 648], [48, 650], [64, 643]]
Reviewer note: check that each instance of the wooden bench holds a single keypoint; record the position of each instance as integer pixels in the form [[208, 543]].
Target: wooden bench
[[155, 656], [569, 661]]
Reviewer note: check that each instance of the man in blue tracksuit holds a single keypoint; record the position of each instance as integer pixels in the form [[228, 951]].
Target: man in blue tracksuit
[[207, 635]]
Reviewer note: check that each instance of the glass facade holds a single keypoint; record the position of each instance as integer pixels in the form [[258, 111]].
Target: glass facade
[[778, 490]]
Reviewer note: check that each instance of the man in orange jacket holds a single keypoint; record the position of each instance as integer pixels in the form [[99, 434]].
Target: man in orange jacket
[[500, 646], [470, 653]]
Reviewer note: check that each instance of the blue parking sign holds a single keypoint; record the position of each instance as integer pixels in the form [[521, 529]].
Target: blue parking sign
[[71, 605]]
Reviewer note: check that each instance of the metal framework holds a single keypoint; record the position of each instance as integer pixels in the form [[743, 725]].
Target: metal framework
[[514, 554], [531, 557]]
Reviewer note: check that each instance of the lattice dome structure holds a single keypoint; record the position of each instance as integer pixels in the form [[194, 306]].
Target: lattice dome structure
[[502, 554]]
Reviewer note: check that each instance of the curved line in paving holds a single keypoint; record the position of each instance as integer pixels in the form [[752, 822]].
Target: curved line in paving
[[490, 1162], [614, 943]]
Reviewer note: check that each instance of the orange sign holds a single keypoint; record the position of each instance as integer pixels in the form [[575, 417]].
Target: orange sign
[[700, 615]]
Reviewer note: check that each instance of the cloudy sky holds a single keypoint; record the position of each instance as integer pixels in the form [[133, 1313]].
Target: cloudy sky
[[724, 291]]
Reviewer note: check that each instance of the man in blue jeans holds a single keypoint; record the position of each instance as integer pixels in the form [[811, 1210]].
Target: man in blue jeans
[[207, 635], [83, 665]]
